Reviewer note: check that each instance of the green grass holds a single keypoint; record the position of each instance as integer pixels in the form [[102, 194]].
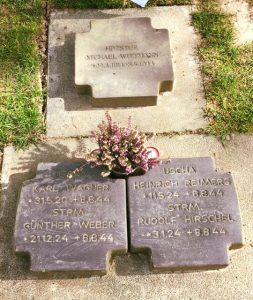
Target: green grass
[[111, 3], [21, 121], [161, 3], [227, 71], [86, 4], [227, 68]]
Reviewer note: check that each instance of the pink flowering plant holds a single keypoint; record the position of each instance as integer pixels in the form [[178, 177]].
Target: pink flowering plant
[[120, 149]]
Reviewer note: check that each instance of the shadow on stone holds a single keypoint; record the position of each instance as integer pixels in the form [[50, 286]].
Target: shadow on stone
[[64, 86], [61, 56], [133, 264], [78, 14]]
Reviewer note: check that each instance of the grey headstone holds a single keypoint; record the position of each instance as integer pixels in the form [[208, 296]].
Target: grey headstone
[[123, 62], [74, 224], [71, 114], [185, 213]]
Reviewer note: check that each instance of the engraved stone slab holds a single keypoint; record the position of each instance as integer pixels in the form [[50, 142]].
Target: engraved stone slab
[[71, 114], [185, 213], [72, 224], [123, 62]]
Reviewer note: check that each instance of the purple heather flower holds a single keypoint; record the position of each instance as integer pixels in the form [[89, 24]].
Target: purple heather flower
[[120, 148], [115, 148]]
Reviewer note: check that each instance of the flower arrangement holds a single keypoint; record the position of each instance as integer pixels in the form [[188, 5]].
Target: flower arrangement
[[120, 149]]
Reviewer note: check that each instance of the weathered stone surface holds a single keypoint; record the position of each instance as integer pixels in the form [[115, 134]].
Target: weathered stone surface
[[233, 282], [70, 114], [241, 14], [72, 224], [186, 213], [119, 68]]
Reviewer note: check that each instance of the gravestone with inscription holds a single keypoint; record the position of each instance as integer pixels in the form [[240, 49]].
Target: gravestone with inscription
[[123, 62], [185, 213], [71, 223]]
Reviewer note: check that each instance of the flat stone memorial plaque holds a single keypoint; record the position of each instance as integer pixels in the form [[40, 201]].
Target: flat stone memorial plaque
[[185, 213], [123, 62], [71, 224]]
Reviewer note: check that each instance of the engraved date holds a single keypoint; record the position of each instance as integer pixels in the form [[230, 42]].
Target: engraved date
[[161, 195], [93, 238], [47, 238], [91, 199], [48, 200], [207, 193], [204, 232], [162, 234]]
